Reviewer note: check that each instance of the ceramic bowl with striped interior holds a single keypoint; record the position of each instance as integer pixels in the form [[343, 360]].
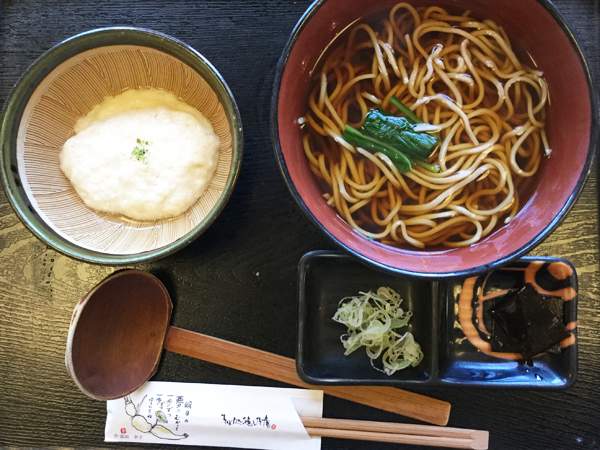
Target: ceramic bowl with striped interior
[[64, 84]]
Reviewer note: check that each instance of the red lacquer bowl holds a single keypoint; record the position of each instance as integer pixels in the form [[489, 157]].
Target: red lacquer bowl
[[572, 124]]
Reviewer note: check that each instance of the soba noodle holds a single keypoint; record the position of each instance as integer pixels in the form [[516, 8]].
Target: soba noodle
[[461, 76]]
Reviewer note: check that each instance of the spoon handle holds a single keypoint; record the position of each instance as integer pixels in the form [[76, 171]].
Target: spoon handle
[[280, 368]]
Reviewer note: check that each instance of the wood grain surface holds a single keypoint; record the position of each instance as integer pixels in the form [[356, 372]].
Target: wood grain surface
[[238, 281]]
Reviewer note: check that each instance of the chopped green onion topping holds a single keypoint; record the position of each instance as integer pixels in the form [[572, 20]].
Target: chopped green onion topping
[[140, 150], [376, 321]]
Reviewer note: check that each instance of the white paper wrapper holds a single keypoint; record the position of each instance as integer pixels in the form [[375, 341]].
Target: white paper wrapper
[[214, 415]]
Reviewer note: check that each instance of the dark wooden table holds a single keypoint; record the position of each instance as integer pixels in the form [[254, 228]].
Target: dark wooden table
[[238, 281]]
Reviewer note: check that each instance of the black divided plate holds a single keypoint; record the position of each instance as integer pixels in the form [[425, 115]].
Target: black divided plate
[[450, 357]]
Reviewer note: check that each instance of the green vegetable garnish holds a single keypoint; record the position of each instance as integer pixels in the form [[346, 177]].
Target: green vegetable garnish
[[435, 168], [405, 110], [396, 138], [399, 133], [140, 150], [377, 322], [356, 137]]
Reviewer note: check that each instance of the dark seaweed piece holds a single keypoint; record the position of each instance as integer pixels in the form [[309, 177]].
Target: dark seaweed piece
[[509, 325], [549, 282], [545, 327], [527, 322]]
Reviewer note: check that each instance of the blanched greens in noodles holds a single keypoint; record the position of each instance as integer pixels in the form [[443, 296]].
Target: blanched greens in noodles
[[462, 80]]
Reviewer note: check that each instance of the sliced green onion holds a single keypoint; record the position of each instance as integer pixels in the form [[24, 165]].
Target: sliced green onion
[[376, 321]]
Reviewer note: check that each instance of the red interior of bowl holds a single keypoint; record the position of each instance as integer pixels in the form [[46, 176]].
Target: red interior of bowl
[[532, 27]]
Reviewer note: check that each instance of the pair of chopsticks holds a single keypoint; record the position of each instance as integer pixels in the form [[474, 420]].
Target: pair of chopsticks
[[397, 433]]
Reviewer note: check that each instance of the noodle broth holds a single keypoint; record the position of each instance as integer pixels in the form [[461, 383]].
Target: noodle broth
[[478, 94]]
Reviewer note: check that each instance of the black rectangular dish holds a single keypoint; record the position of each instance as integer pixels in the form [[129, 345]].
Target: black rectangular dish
[[451, 321]]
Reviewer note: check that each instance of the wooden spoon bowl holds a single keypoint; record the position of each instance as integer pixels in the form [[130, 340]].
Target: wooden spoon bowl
[[116, 335]]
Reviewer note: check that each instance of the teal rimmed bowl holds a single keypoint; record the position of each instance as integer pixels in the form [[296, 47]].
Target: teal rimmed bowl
[[64, 84]]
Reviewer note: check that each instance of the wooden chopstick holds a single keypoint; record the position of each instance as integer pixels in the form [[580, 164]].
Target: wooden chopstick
[[387, 427], [398, 433], [283, 369]]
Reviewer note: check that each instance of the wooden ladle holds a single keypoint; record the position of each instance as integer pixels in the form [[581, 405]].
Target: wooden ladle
[[119, 329]]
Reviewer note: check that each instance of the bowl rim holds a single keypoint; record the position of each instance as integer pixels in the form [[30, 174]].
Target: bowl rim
[[59, 53], [310, 12]]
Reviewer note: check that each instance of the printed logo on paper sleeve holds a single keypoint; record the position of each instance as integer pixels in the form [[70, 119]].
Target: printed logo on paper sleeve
[[162, 421]]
